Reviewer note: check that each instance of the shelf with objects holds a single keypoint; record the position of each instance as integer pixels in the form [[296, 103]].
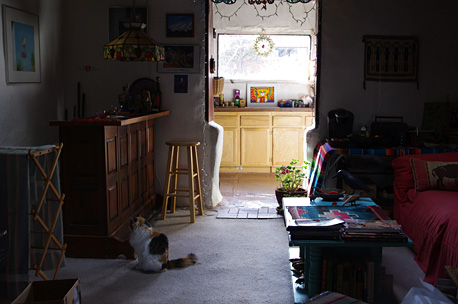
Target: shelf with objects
[[319, 248], [367, 155]]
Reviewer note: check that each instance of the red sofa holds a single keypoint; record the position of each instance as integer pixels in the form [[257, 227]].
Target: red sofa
[[428, 217]]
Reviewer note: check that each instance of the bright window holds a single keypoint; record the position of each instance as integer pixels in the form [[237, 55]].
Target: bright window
[[289, 59]]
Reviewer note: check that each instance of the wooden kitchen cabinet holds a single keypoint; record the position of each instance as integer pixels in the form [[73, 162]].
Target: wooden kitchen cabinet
[[288, 133], [231, 138], [107, 173], [255, 140], [262, 139]]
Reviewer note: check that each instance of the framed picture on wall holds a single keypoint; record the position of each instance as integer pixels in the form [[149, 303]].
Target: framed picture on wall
[[261, 95], [22, 45], [180, 59], [180, 25]]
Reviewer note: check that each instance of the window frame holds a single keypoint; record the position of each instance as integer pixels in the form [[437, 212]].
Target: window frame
[[239, 80]]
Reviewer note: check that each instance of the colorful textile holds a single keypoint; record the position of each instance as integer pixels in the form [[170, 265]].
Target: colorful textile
[[331, 212], [434, 175], [321, 155]]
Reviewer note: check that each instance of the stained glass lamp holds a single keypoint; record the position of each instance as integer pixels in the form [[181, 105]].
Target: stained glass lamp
[[133, 45]]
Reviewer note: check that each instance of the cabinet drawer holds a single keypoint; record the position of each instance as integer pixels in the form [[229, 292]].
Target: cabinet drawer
[[255, 120], [227, 120], [288, 121]]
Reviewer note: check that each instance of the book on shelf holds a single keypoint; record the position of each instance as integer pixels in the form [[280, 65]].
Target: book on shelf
[[372, 225], [328, 297], [316, 235], [317, 224], [374, 237]]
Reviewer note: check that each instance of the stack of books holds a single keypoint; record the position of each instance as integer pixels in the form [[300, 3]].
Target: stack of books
[[373, 230], [316, 229]]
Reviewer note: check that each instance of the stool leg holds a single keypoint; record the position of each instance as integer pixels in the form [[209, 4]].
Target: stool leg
[[176, 157], [191, 184], [199, 191], [167, 184]]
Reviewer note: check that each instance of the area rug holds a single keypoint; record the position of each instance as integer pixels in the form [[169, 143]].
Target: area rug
[[248, 213]]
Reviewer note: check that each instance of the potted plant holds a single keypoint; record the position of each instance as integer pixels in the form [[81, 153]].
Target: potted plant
[[291, 180]]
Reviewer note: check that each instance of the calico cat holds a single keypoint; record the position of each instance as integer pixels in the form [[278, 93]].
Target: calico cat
[[152, 248]]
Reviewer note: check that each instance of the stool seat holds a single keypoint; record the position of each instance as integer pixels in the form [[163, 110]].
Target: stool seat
[[183, 143], [193, 192]]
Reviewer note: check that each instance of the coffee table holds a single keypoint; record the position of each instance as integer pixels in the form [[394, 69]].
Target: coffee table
[[311, 251]]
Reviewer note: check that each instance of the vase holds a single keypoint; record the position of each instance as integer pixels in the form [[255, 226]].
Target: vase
[[279, 194]]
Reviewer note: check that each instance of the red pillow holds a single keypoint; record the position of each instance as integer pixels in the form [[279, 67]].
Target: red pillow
[[429, 175]]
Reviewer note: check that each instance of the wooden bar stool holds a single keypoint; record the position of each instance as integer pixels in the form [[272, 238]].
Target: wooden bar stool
[[171, 178]]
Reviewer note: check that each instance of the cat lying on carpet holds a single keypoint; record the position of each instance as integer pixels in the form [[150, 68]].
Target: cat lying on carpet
[[152, 248]]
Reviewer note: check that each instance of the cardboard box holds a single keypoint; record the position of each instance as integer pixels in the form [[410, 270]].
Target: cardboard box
[[51, 292]]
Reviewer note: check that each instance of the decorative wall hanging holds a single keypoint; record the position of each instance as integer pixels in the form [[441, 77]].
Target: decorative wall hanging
[[263, 46], [273, 12], [390, 58], [261, 94], [22, 45], [180, 59], [180, 25], [259, 1]]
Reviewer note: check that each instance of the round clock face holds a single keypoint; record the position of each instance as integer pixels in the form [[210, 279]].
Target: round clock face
[[263, 45]]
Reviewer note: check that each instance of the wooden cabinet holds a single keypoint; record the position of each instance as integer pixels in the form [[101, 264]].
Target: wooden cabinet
[[231, 139], [260, 140], [255, 140], [288, 133], [107, 173]]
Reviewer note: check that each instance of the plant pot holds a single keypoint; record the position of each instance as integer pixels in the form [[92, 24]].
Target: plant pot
[[279, 194]]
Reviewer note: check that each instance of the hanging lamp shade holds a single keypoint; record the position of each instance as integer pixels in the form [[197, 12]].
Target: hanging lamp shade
[[133, 45]]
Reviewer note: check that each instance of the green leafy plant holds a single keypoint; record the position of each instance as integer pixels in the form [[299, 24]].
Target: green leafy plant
[[291, 176]]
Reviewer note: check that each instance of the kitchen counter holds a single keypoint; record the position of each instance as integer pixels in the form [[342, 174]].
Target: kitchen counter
[[262, 109]]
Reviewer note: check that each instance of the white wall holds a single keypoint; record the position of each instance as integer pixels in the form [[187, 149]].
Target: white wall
[[344, 23], [86, 31], [27, 108]]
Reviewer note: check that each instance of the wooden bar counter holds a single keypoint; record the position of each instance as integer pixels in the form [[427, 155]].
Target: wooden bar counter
[[107, 173]]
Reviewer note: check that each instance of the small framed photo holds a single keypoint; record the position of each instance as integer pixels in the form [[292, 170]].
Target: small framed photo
[[180, 84], [180, 59], [261, 95], [180, 25], [22, 45]]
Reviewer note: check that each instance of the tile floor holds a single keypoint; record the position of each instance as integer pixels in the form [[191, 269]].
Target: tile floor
[[248, 196]]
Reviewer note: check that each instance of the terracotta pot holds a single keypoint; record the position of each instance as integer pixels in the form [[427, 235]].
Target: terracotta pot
[[279, 194]]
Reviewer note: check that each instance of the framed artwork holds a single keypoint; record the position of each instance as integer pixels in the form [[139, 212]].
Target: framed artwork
[[22, 45], [180, 59], [259, 95], [390, 58], [180, 84], [120, 15], [180, 25]]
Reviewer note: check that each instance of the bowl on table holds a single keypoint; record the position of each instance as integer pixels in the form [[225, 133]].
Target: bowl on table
[[330, 194]]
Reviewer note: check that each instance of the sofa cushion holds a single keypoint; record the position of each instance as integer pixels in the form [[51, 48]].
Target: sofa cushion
[[403, 179], [430, 175]]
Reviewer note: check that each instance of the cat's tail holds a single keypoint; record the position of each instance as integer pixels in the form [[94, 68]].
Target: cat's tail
[[183, 262]]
